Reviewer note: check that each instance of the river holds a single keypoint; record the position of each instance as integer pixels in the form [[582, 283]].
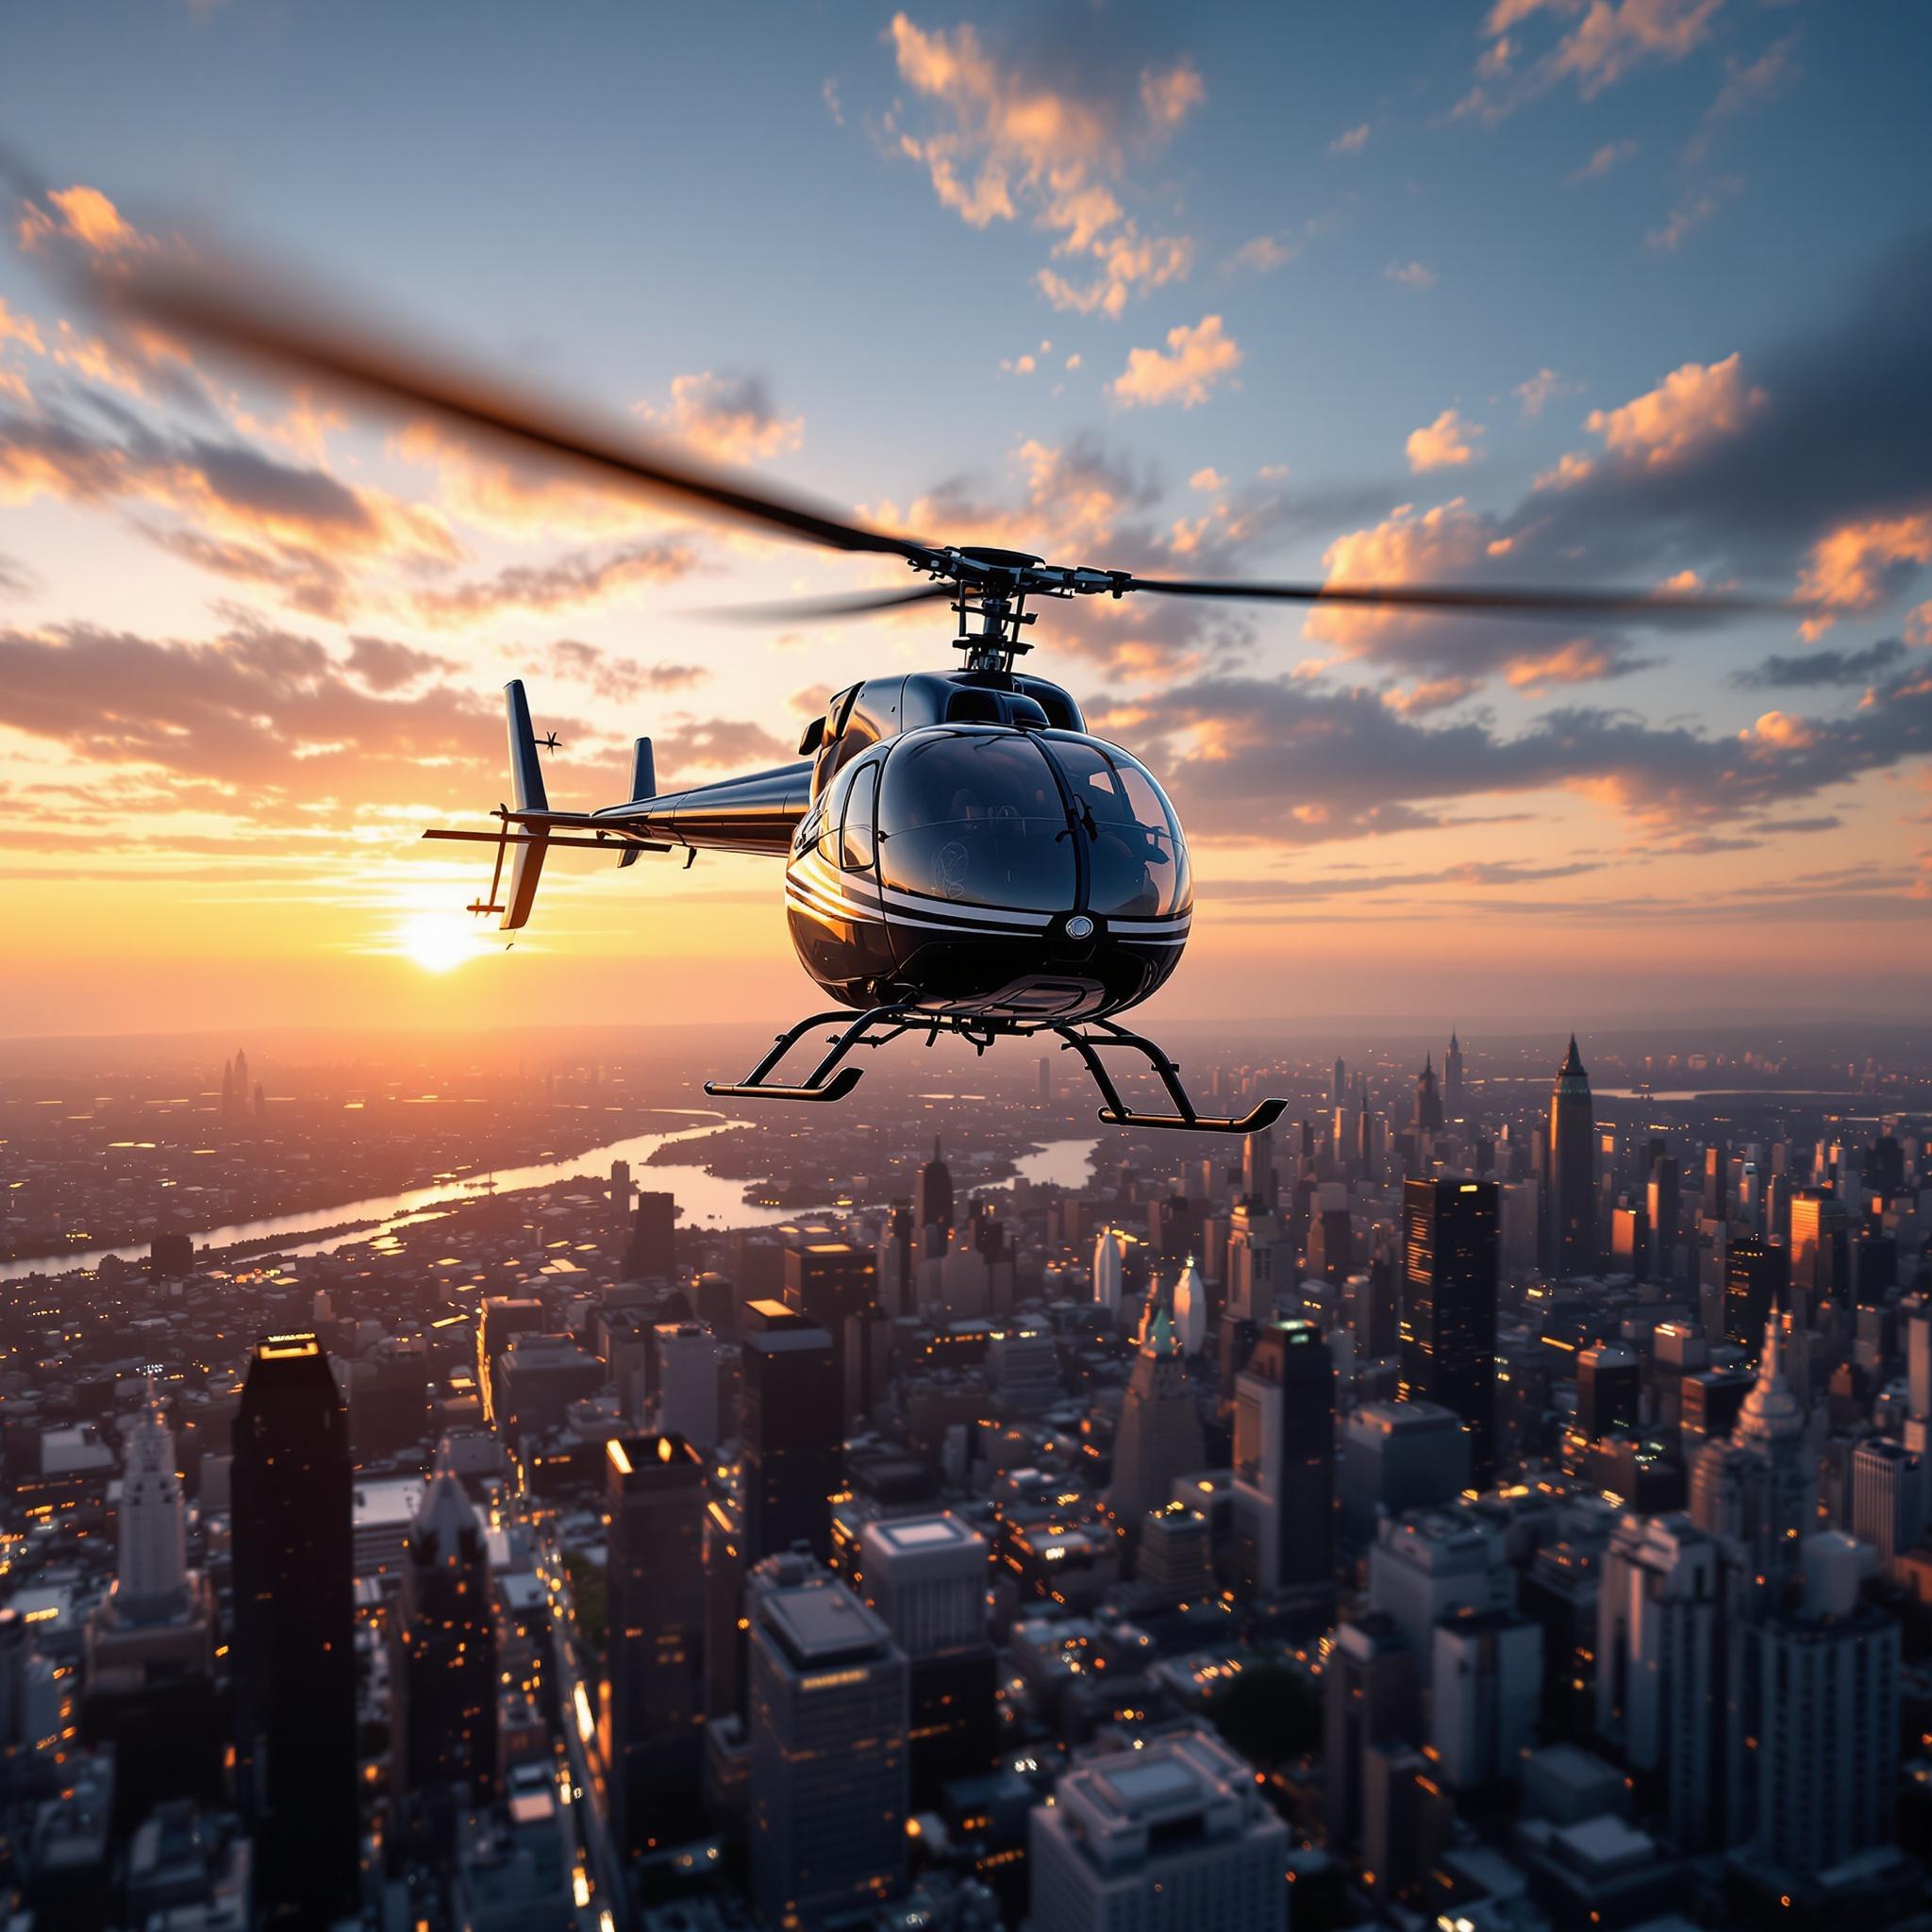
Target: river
[[707, 1200]]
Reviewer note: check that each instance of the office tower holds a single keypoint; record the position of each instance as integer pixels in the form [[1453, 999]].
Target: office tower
[[1659, 1691], [1435, 1563], [652, 1252], [1486, 1696], [1023, 1365], [1110, 1266], [1256, 1243], [444, 1669], [835, 1285], [1757, 1280], [1782, 1470], [1428, 1103], [1261, 1185], [1284, 1465], [538, 1377], [829, 1704], [1449, 1265], [1454, 1103], [790, 1431], [1820, 1235], [620, 1195], [1608, 1386], [1045, 1066], [1369, 1696], [694, 1373], [1190, 1308], [1338, 1090], [1630, 1240], [1915, 1318], [1159, 1436], [1661, 1200], [932, 1204], [1397, 1457], [897, 1254], [926, 1577], [1874, 1269], [294, 1640], [1174, 1563], [1820, 1787], [1372, 1308], [1570, 1179], [503, 1316], [653, 1493], [1164, 1838], [725, 1569], [1887, 1500]]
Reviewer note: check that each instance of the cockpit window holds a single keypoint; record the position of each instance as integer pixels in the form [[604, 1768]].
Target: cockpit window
[[1137, 858], [975, 816]]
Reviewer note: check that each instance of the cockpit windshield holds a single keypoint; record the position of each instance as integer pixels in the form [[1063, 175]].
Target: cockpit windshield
[[975, 815], [1138, 861]]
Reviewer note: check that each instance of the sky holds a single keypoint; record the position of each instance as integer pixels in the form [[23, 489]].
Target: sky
[[1544, 291]]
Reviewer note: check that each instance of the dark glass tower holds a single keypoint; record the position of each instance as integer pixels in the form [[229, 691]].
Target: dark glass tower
[[1757, 1282], [1450, 1256], [932, 1203], [835, 1284], [1284, 1465], [445, 1679], [1428, 1102], [1453, 1103], [295, 1628], [790, 1431], [1570, 1243], [655, 1639]]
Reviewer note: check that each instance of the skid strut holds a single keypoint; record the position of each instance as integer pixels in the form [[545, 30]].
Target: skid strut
[[832, 1080]]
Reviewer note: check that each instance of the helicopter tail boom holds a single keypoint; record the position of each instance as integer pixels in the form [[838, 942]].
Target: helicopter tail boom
[[526, 778]]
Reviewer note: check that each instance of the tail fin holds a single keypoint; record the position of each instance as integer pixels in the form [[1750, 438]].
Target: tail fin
[[527, 776]]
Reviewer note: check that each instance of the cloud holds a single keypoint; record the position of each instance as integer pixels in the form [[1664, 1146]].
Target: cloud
[[1692, 211], [1197, 360], [1003, 144], [567, 583], [620, 679], [718, 741], [1410, 275], [1813, 668], [1691, 407], [728, 417], [1747, 85], [16, 579], [1540, 390], [1447, 444], [385, 665], [1264, 254], [1351, 142], [20, 329], [1856, 565], [1610, 40], [1612, 153], [81, 215]]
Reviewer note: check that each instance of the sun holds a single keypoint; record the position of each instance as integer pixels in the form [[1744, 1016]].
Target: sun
[[438, 942]]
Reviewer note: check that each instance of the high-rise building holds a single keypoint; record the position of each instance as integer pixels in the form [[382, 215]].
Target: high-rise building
[[1608, 1387], [1338, 1089], [835, 1285], [1284, 1465], [1664, 1205], [1659, 1686], [1887, 1500], [655, 1637], [932, 1204], [1397, 1457], [1757, 1284], [1436, 1564], [926, 1577], [1486, 1696], [1167, 1837], [1569, 1219], [444, 1674], [829, 1708], [1109, 1265], [1428, 1103], [791, 1432], [652, 1252], [620, 1195], [1453, 1102], [1820, 1234], [294, 1642], [1256, 1243], [1159, 1436], [503, 1316], [1450, 1275], [1371, 1697], [1260, 1186]]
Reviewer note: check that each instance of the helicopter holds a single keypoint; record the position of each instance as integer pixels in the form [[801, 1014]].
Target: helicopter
[[961, 854]]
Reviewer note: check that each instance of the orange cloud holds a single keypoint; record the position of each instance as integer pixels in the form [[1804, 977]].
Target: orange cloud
[[1692, 407], [1447, 443], [84, 214], [1439, 544], [727, 417], [21, 329], [1919, 624], [1580, 661], [1195, 360], [1610, 40], [1848, 567]]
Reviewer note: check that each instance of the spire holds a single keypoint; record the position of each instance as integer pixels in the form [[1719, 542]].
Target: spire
[[938, 1155], [1455, 1044], [446, 1520], [1429, 1063], [1771, 1411], [1572, 1061]]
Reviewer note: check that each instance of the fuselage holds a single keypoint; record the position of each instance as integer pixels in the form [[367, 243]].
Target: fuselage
[[960, 844]]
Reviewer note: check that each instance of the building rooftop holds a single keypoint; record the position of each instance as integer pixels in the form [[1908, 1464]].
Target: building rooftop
[[820, 1621]]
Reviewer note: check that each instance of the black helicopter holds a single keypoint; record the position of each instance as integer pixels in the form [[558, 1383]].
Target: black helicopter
[[962, 854]]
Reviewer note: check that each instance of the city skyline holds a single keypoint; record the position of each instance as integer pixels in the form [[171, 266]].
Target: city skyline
[[1534, 300]]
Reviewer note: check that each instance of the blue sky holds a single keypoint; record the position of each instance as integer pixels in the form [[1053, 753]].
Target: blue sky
[[1363, 256]]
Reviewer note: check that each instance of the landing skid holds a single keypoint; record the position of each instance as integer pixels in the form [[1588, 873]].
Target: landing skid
[[830, 1079]]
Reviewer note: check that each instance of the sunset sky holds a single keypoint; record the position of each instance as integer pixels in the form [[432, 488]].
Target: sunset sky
[[1631, 292]]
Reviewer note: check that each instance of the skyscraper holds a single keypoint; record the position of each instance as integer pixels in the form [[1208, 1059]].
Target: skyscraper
[[829, 1700], [1453, 1100], [1284, 1465], [1570, 1245], [789, 1431], [1450, 1262], [1756, 1282], [932, 1204], [444, 1723], [1160, 1435], [294, 1656], [836, 1285], [652, 1252], [655, 1637], [1428, 1102], [1259, 1183]]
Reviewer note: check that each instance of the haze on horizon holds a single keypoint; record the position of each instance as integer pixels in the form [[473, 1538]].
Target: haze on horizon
[[1497, 295]]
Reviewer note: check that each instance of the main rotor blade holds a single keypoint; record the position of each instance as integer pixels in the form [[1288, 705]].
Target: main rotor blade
[[813, 609], [1500, 602], [261, 329]]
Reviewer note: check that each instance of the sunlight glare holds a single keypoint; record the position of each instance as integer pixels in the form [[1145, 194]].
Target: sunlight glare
[[438, 942]]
